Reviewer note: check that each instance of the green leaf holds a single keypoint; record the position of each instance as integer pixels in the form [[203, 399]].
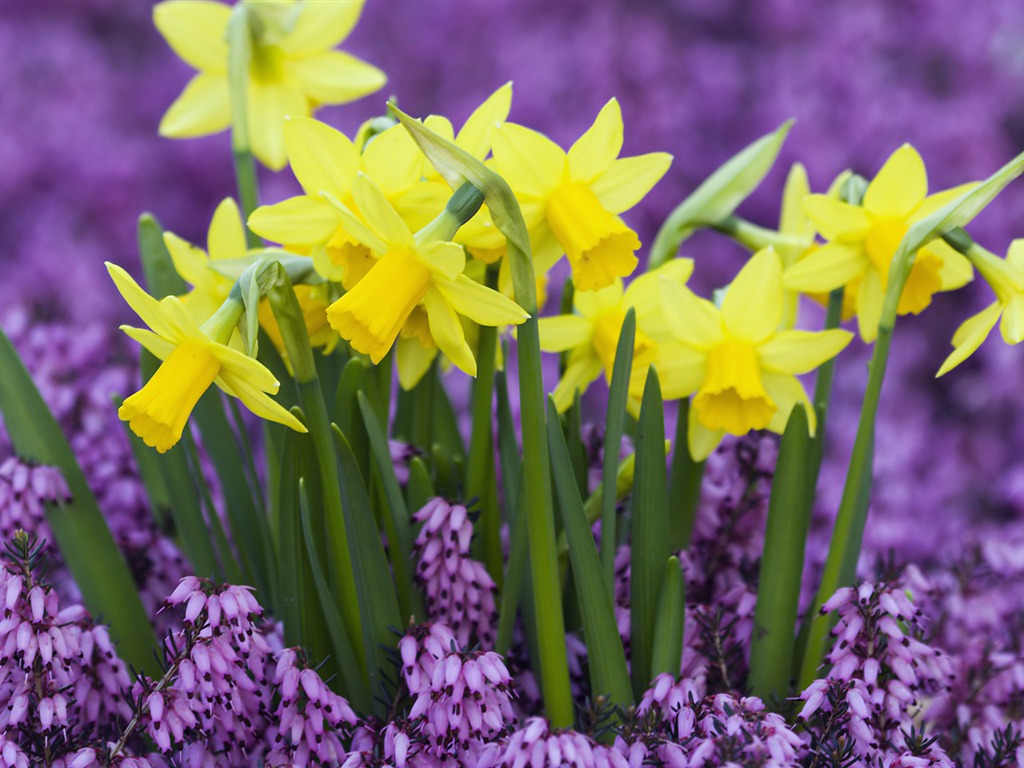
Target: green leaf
[[719, 195], [420, 489], [782, 565], [684, 486], [157, 266], [379, 614], [397, 523], [78, 526], [609, 674], [615, 422], [649, 549], [670, 622], [354, 684], [508, 450]]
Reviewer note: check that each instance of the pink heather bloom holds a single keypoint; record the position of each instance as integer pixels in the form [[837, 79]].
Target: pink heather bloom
[[460, 592], [24, 489], [535, 745]]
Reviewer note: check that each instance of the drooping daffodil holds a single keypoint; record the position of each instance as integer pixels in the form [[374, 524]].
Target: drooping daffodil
[[1006, 277], [193, 357], [292, 69], [740, 368], [325, 160], [411, 272], [571, 200], [591, 336], [862, 241]]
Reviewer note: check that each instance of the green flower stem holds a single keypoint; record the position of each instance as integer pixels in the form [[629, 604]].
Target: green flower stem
[[756, 237], [239, 56], [823, 392], [684, 484], [481, 476], [296, 340]]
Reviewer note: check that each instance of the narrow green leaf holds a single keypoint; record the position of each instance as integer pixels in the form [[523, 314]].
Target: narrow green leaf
[[420, 489], [379, 614], [508, 450], [684, 486], [782, 564], [670, 622], [78, 526], [650, 521], [517, 574], [355, 376], [615, 422], [353, 683], [609, 674], [719, 195], [397, 523]]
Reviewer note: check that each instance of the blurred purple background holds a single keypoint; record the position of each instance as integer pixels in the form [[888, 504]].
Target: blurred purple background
[[84, 83]]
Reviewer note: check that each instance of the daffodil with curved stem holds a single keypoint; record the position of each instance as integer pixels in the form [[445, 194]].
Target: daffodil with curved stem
[[193, 357], [591, 336], [740, 368], [1006, 278], [862, 241], [571, 200], [413, 271], [293, 68]]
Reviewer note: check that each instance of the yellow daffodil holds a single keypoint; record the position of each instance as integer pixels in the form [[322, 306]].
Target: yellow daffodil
[[225, 240], [739, 366], [1006, 277], [592, 336], [411, 271], [862, 241], [325, 160], [570, 201], [293, 69], [194, 357]]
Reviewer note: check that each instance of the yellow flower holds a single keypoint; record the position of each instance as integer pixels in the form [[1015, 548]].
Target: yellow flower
[[292, 70], [592, 336], [570, 201], [739, 366], [410, 271], [193, 358], [862, 241], [1006, 277], [325, 160], [225, 240]]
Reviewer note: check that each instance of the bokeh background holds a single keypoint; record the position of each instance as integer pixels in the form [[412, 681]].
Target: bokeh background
[[83, 85]]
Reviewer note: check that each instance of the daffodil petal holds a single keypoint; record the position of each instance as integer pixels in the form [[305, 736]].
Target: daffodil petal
[[530, 162], [475, 136], [786, 391], [479, 303], [447, 332], [796, 352], [413, 361], [302, 220], [446, 260], [195, 31], [321, 157], [932, 203], [591, 303], [577, 377], [269, 105], [956, 270], [900, 185], [178, 317], [563, 332], [835, 220], [644, 295], [1012, 325], [355, 227], [752, 307], [144, 305], [190, 262], [160, 347], [792, 218], [335, 77], [201, 109], [1015, 257], [825, 269], [595, 151], [238, 365], [680, 369], [701, 441], [695, 321], [393, 161], [628, 179], [319, 26], [421, 203], [870, 297], [970, 335], [226, 236], [257, 401]]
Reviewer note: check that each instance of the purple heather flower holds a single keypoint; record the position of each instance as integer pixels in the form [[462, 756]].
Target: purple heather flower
[[536, 745], [460, 592], [24, 489]]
